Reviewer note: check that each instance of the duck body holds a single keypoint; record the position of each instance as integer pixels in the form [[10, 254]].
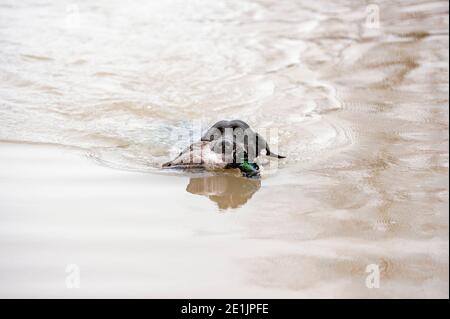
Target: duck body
[[199, 155]]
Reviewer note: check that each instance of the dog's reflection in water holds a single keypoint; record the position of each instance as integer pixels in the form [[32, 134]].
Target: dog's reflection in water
[[228, 191]]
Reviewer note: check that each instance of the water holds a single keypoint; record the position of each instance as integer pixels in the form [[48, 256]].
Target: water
[[360, 111]]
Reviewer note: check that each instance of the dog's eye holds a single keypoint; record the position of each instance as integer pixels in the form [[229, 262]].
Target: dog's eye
[[222, 146]]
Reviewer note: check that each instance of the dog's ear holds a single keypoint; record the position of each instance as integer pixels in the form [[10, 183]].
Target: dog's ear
[[262, 144], [275, 155], [271, 154]]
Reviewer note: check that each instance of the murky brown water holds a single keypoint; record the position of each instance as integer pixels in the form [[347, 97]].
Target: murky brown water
[[360, 108]]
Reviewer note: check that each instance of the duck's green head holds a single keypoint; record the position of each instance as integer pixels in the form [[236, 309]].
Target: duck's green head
[[249, 169]]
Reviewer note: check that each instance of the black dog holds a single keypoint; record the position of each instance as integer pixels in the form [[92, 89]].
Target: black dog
[[242, 133]]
